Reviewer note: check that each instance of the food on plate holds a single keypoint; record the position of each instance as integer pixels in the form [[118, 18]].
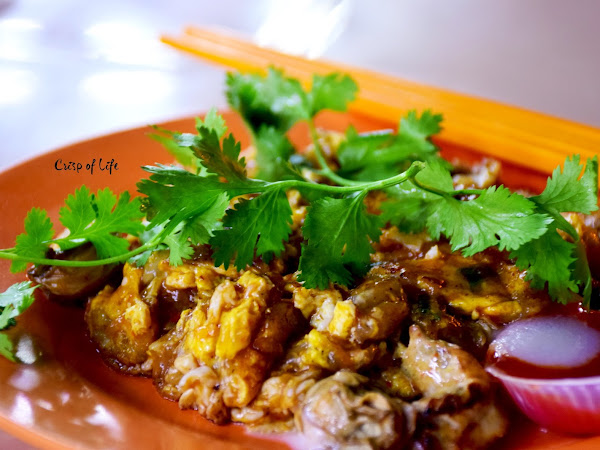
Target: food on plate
[[348, 290]]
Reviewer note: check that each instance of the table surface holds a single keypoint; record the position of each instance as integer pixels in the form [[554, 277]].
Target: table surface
[[70, 70]]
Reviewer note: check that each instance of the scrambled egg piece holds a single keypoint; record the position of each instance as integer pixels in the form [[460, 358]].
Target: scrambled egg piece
[[121, 321]]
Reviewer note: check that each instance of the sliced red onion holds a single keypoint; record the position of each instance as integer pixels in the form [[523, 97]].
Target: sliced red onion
[[555, 341]]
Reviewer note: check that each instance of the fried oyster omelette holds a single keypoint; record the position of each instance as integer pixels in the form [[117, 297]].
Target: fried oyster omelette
[[393, 361]]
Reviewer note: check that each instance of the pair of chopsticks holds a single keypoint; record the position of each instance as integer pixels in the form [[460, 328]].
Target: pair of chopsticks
[[523, 137]]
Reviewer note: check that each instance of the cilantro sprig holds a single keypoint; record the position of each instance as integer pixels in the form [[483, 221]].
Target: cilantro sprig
[[101, 219], [243, 218], [259, 225], [571, 190], [271, 105]]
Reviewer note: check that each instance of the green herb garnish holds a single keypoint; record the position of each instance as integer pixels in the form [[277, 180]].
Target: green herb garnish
[[16, 299], [187, 208]]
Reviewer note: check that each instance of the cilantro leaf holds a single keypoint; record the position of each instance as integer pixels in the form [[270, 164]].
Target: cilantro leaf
[[97, 218], [179, 245], [78, 212], [272, 104], [374, 156], [338, 235], [273, 158], [436, 175], [171, 191], [196, 230], [201, 227], [147, 236], [194, 203], [218, 158], [565, 191], [420, 129], [260, 226], [496, 218], [182, 154], [532, 256], [179, 144], [279, 102], [213, 121], [333, 91], [357, 150], [273, 100], [14, 301], [7, 348], [408, 206], [34, 242]]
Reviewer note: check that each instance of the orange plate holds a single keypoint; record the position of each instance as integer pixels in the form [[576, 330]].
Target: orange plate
[[69, 398]]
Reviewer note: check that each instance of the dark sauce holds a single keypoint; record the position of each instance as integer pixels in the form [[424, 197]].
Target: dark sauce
[[172, 302]]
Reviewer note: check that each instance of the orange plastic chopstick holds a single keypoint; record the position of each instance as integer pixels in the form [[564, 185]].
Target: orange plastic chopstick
[[524, 137]]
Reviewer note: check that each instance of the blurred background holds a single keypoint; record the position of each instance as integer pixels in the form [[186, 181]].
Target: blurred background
[[70, 69]]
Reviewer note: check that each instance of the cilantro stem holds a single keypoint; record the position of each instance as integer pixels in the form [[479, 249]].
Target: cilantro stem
[[8, 254], [445, 193], [409, 173], [325, 169]]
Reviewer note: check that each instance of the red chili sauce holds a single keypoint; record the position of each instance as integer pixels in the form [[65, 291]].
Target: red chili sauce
[[519, 368]]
